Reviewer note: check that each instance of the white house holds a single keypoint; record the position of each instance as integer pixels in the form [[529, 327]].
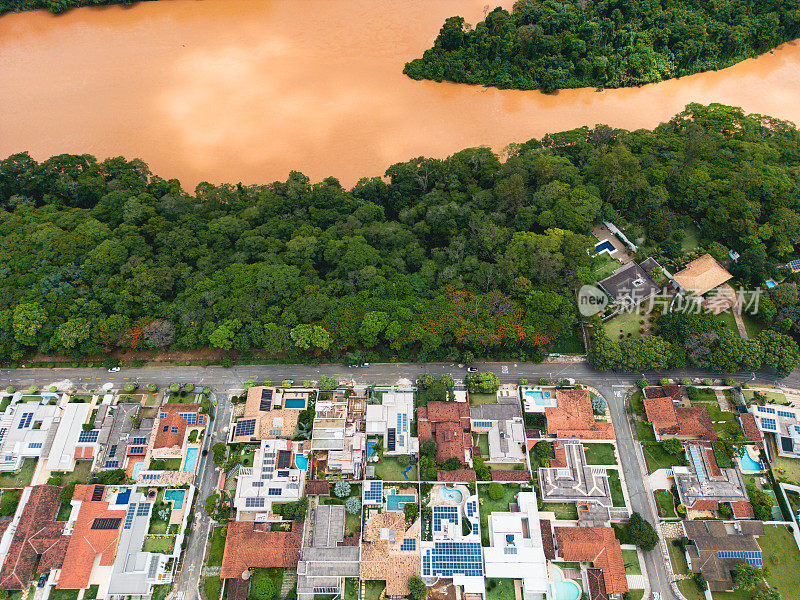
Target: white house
[[25, 429], [392, 421], [516, 548], [784, 423], [274, 477]]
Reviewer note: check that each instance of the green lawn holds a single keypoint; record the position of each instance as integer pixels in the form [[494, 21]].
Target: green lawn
[[500, 589], [488, 506], [617, 497], [631, 560], [212, 586], [637, 404], [389, 469], [666, 504], [794, 501], [476, 399], [80, 474], [772, 397], [606, 269], [753, 326], [704, 396], [567, 511], [481, 441], [373, 589], [80, 398], [9, 501], [691, 240], [689, 589], [635, 594], [728, 322], [216, 546], [22, 477], [783, 559], [352, 524], [160, 591], [788, 468], [600, 454], [658, 458], [159, 544], [677, 558], [626, 323], [56, 594], [351, 588], [644, 431]]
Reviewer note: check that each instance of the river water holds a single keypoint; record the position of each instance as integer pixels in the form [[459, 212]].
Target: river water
[[247, 90]]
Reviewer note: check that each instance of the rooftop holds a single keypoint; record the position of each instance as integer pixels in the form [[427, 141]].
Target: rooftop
[[750, 428], [702, 275], [574, 480], [251, 545], [719, 547], [173, 419], [264, 416], [703, 484], [669, 419], [599, 546], [448, 424], [629, 284], [574, 418]]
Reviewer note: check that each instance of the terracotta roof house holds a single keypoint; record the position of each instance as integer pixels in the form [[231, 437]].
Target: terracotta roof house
[[37, 535], [448, 424], [670, 420], [742, 510], [390, 551], [702, 275], [596, 545], [251, 545], [94, 537], [717, 549], [573, 417], [500, 475], [750, 428], [172, 422], [597, 584], [458, 475], [547, 539]]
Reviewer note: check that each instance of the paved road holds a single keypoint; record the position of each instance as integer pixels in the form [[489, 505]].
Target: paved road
[[223, 380]]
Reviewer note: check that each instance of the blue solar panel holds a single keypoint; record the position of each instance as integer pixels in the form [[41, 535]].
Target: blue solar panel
[[446, 559], [112, 451], [139, 441], [442, 514], [88, 436], [768, 424], [475, 528], [246, 427], [794, 264], [408, 545], [112, 464], [698, 463], [129, 515], [767, 410], [25, 420], [143, 510], [786, 413], [374, 491], [472, 508], [190, 418]]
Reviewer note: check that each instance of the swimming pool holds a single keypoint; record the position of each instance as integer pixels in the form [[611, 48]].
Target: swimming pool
[[176, 496], [540, 397], [446, 493], [191, 459], [136, 468], [371, 449], [301, 462], [770, 283], [564, 589], [294, 403], [747, 464], [396, 502], [604, 246]]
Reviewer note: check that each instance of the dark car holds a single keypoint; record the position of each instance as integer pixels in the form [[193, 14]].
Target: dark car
[[43, 580]]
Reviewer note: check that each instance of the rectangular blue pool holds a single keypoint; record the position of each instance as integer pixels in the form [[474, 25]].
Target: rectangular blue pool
[[294, 403], [395, 502], [191, 459], [176, 496]]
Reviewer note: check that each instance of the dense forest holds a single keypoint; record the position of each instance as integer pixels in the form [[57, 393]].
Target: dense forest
[[55, 6], [454, 259], [550, 45]]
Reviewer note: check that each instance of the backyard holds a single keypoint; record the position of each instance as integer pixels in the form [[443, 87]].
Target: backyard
[[567, 511], [481, 440], [274, 574], [617, 496], [666, 505], [216, 546], [500, 589], [20, 478], [488, 506], [786, 468], [782, 558], [644, 431], [161, 543], [600, 454], [373, 589], [772, 397], [389, 469], [624, 325], [351, 588], [476, 399], [658, 458], [212, 586], [81, 473]]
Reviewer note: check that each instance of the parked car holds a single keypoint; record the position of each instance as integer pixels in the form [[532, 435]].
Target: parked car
[[114, 369], [364, 364], [289, 381], [472, 369], [42, 580]]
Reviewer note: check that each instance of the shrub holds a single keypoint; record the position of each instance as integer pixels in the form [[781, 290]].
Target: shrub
[[218, 451], [33, 390], [699, 581], [404, 460], [52, 389], [174, 388], [248, 384], [307, 383], [286, 383], [640, 532], [451, 464], [152, 387], [341, 489], [672, 446], [227, 362], [428, 448], [599, 405], [206, 390], [129, 387], [708, 382], [544, 381], [643, 383], [663, 381], [211, 504], [730, 381], [411, 511], [262, 588], [353, 505], [725, 510], [686, 381], [523, 381], [189, 387], [10, 389], [417, 588], [681, 510], [326, 382], [496, 491]]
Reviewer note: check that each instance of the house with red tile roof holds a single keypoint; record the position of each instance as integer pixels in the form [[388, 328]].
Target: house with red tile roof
[[251, 545], [93, 542], [750, 428], [171, 427], [456, 476], [448, 424], [596, 545], [38, 543], [573, 417], [669, 419]]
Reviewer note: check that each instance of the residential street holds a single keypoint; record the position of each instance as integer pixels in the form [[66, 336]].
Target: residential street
[[224, 380]]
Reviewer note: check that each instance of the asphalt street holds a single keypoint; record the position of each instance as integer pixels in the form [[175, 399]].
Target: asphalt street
[[225, 380]]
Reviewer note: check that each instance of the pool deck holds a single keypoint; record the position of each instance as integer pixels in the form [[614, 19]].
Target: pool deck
[[602, 233]]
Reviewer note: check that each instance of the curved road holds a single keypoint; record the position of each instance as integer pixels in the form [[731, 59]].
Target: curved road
[[224, 380]]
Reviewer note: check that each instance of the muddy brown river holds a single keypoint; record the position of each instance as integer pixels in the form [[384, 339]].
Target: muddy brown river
[[247, 90]]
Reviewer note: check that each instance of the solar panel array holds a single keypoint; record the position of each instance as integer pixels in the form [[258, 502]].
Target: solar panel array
[[129, 515], [698, 463], [752, 557], [794, 265], [25, 420], [475, 528], [766, 409], [408, 545], [112, 451], [88, 437], [35, 445], [151, 572], [786, 413], [254, 502], [246, 427], [442, 514], [106, 523], [769, 424], [112, 464], [139, 441], [471, 508], [190, 418], [136, 450], [448, 558], [373, 492], [98, 492], [144, 509]]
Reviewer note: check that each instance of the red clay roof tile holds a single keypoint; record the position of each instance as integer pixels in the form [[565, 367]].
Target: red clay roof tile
[[249, 545]]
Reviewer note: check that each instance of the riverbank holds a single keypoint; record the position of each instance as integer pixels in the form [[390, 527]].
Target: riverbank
[[57, 6]]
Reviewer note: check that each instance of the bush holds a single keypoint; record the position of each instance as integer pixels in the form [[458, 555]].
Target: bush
[[725, 510], [174, 388], [699, 581], [708, 382], [152, 387], [211, 504], [686, 381], [218, 451], [129, 387], [599, 405], [189, 387], [52, 389], [206, 390], [404, 460], [411, 511], [353, 505], [248, 384], [341, 489], [227, 362], [482, 383], [307, 383], [496, 491], [664, 381], [417, 588], [640, 532], [451, 464], [286, 383], [730, 381], [428, 448], [643, 383], [681, 509], [544, 381], [33, 390], [326, 382], [10, 389], [262, 588], [672, 446]]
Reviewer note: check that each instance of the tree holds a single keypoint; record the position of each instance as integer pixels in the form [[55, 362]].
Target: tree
[[482, 383], [672, 446], [761, 501], [263, 588], [428, 448], [222, 336], [353, 505], [326, 382], [308, 336], [129, 387], [599, 405], [640, 532], [219, 450], [496, 491], [417, 588], [9, 500], [604, 353], [748, 577], [411, 511], [29, 318], [341, 489], [211, 503]]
